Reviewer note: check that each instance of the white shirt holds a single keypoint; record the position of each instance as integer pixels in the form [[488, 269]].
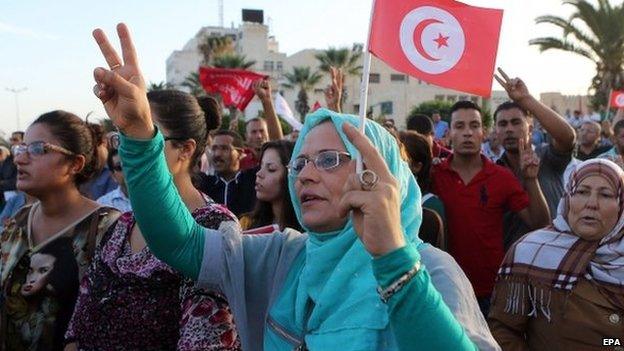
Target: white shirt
[[116, 199]]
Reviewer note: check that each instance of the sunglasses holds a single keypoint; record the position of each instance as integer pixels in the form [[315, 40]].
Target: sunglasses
[[117, 167], [324, 160], [39, 148]]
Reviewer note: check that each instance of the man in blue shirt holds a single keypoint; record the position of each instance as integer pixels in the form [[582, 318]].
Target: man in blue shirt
[[441, 127]]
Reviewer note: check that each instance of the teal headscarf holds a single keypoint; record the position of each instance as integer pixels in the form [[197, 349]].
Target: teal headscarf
[[337, 275]]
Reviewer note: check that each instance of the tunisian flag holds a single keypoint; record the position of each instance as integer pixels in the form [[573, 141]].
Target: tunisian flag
[[234, 85], [617, 99], [443, 42]]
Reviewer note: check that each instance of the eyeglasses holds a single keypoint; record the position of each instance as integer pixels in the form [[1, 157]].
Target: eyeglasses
[[324, 160], [39, 148]]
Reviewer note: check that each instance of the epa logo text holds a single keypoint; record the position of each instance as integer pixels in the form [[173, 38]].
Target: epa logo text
[[611, 342]]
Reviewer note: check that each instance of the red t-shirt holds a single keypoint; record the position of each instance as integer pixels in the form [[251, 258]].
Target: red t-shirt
[[249, 160], [474, 214]]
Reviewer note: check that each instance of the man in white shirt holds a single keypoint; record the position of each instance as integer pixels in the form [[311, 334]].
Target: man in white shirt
[[118, 197]]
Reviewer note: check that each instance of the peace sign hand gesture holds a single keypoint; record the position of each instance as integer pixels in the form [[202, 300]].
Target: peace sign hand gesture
[[529, 162], [516, 89], [122, 88], [376, 210]]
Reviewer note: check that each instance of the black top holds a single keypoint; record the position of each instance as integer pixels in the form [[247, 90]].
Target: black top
[[238, 194], [8, 177]]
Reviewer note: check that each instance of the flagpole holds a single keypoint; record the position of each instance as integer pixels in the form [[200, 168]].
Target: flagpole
[[609, 105], [364, 87]]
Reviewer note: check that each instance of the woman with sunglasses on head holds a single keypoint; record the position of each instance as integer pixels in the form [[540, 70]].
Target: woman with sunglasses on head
[[273, 205], [57, 156], [132, 300], [354, 281]]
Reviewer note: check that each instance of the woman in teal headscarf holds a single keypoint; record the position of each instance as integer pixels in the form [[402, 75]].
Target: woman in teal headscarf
[[289, 289]]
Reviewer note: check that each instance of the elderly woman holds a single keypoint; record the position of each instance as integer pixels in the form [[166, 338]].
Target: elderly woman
[[356, 282], [562, 287]]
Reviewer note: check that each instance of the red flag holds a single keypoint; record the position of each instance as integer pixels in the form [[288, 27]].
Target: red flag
[[443, 42], [617, 99], [316, 106], [234, 85]]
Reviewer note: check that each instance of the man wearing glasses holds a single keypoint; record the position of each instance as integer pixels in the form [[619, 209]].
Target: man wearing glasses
[[230, 185]]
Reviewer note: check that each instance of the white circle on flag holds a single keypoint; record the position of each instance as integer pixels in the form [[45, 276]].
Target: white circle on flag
[[619, 100], [432, 39]]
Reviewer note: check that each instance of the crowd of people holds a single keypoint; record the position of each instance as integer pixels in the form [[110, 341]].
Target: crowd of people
[[175, 232]]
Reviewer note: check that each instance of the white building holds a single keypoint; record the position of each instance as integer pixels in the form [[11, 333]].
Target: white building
[[391, 94]]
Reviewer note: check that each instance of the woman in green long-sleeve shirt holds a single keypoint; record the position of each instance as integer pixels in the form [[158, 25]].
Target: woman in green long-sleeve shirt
[[288, 289]]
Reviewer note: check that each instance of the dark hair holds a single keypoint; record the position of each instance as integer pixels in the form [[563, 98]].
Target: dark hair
[[508, 105], [237, 139], [20, 133], [212, 111], [109, 159], [420, 123], [77, 136], [263, 212], [64, 275], [418, 150], [464, 104], [181, 115], [618, 126]]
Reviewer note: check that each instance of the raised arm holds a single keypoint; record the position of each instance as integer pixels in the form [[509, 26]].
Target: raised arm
[[560, 130], [165, 222], [418, 315], [262, 88], [537, 215]]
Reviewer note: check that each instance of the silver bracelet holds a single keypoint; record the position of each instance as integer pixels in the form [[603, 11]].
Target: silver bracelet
[[398, 284]]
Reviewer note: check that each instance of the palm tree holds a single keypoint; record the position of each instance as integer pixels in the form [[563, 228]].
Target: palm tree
[[304, 79], [341, 58], [231, 60], [159, 86], [596, 33], [194, 86], [212, 46]]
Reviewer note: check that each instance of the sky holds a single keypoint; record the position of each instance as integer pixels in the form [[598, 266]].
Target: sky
[[47, 48]]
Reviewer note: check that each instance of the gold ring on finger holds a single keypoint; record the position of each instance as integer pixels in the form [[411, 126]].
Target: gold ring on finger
[[115, 66], [368, 179]]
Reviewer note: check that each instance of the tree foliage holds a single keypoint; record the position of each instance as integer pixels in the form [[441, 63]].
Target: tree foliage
[[594, 31], [304, 79]]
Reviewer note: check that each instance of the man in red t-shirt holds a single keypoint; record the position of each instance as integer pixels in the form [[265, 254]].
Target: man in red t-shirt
[[476, 193]]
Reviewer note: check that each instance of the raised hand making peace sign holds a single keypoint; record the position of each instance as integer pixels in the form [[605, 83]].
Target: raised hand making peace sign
[[515, 87], [122, 88]]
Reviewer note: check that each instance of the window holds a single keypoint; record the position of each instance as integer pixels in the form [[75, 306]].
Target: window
[[356, 108], [268, 66], [451, 98], [279, 66], [386, 108], [439, 98], [319, 90], [463, 97], [374, 78], [397, 78]]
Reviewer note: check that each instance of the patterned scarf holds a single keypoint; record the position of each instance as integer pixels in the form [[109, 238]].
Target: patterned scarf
[[556, 258]]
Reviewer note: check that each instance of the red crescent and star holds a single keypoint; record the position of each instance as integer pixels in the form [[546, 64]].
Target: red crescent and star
[[441, 40]]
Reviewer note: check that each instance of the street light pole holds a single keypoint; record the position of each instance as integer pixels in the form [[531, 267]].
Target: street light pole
[[16, 92]]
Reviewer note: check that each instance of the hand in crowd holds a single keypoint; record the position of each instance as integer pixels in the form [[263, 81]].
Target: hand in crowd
[[529, 162], [333, 92], [122, 87], [262, 88], [515, 87], [376, 212]]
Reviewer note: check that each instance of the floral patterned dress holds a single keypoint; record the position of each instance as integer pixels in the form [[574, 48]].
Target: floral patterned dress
[[40, 282], [133, 301]]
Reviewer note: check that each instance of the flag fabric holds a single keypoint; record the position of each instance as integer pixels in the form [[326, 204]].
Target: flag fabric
[[234, 85], [443, 42], [617, 99], [284, 111]]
